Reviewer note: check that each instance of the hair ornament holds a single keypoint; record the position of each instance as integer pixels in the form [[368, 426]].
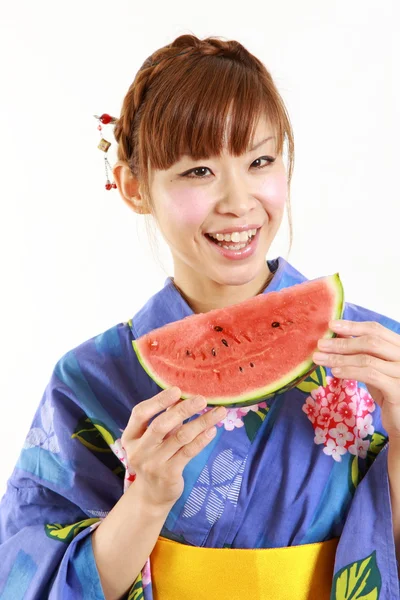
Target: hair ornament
[[104, 145]]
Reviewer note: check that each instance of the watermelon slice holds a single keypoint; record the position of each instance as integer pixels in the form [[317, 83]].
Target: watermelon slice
[[247, 352]]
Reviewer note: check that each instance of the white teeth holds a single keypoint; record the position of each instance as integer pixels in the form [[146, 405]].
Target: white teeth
[[235, 247], [235, 236]]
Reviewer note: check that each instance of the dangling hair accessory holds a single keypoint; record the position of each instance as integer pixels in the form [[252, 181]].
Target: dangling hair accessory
[[104, 145]]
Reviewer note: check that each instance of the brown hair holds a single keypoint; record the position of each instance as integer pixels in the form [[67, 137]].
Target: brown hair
[[179, 101]]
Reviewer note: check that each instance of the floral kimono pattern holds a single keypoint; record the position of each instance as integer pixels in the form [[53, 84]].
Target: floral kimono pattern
[[317, 453]]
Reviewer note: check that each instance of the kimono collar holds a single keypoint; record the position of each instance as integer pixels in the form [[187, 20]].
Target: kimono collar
[[168, 305]]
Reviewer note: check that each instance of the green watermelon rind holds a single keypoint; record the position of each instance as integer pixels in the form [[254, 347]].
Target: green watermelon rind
[[280, 386]]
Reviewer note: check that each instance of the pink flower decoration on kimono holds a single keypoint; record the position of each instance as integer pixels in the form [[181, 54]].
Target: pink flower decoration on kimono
[[334, 385], [331, 449], [366, 401], [243, 410], [341, 434], [319, 396], [345, 421], [345, 412], [320, 435], [234, 417], [232, 420], [359, 448], [333, 399], [324, 416], [146, 573], [343, 397], [120, 453], [364, 425], [311, 409], [350, 386]]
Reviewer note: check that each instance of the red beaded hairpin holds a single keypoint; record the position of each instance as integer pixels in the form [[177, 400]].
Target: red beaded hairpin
[[104, 145], [106, 119]]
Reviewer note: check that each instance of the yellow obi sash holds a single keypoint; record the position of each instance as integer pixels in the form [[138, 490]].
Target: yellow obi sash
[[182, 572]]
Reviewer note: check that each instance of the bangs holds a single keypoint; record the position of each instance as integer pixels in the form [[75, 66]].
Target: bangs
[[188, 109]]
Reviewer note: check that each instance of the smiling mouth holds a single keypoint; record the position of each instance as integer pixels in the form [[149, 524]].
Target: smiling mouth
[[229, 245]]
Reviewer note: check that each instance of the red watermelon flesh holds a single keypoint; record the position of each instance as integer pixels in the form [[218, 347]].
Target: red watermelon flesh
[[247, 352]]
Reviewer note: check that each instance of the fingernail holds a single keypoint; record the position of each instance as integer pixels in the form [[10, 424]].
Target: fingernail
[[338, 325], [199, 401], [336, 370], [175, 391], [320, 357], [325, 344], [220, 411]]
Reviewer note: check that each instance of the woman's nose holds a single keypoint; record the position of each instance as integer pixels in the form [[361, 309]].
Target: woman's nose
[[236, 200]]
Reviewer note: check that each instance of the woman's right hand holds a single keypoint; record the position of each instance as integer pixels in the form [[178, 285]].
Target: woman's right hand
[[158, 452]]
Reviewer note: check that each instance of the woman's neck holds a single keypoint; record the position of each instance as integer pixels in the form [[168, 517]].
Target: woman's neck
[[201, 300]]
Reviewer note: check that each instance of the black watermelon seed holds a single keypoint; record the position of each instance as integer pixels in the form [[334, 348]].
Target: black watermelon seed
[[188, 353], [213, 352], [240, 369], [275, 324], [252, 364], [224, 342], [218, 328]]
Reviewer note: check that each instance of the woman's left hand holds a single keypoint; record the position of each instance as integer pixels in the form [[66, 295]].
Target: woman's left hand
[[372, 356]]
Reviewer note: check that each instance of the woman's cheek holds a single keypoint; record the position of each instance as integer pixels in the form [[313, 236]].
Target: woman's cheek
[[274, 190], [188, 206]]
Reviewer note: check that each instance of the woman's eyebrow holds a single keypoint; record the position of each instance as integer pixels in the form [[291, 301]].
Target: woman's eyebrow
[[189, 157], [261, 143]]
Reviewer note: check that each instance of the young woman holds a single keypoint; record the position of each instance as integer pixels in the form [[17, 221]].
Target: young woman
[[125, 491]]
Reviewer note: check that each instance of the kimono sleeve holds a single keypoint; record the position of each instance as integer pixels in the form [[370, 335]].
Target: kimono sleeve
[[65, 481], [366, 553]]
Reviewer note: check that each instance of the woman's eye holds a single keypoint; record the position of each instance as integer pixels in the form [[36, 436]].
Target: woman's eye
[[199, 172], [269, 160]]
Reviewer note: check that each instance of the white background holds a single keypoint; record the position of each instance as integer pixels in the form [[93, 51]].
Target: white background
[[74, 258]]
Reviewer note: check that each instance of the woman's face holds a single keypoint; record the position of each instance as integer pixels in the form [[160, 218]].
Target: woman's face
[[195, 198]]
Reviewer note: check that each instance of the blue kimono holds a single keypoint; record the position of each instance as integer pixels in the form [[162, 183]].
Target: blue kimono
[[317, 453]]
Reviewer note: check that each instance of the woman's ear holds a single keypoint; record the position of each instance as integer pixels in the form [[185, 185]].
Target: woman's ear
[[129, 187]]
